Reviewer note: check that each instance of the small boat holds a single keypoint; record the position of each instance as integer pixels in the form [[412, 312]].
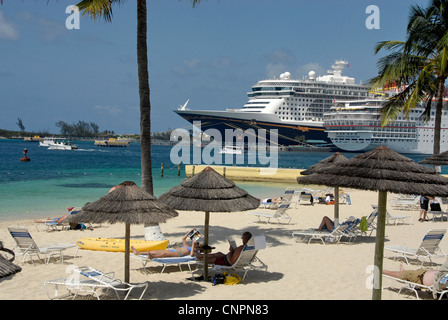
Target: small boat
[[117, 245], [232, 150], [47, 142], [62, 145]]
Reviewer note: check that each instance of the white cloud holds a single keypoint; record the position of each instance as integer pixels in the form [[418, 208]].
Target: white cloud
[[7, 30], [312, 66], [108, 109]]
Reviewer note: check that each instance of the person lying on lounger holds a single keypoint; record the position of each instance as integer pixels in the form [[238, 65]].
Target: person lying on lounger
[[181, 251], [223, 259], [326, 224], [421, 276], [58, 219]]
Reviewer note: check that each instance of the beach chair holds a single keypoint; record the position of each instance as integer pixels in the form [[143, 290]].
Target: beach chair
[[429, 247], [405, 203], [287, 195], [189, 260], [28, 248], [93, 280], [410, 285], [395, 219], [346, 228], [280, 214], [438, 215], [306, 197], [247, 260]]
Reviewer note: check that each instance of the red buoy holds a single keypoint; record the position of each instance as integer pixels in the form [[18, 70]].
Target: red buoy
[[25, 157]]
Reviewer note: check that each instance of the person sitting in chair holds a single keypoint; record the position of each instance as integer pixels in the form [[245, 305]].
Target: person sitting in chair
[[182, 251], [223, 259]]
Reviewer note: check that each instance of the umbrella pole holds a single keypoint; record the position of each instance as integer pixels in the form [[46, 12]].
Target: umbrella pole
[[336, 206], [379, 246], [207, 218], [127, 245]]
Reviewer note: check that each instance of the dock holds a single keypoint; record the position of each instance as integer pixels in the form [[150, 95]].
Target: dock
[[111, 143], [255, 174]]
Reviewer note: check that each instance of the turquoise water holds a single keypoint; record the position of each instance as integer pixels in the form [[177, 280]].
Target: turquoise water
[[55, 179]]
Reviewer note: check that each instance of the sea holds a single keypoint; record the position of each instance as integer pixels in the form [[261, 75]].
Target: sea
[[56, 179]]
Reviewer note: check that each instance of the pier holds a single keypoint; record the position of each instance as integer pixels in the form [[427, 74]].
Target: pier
[[249, 173]]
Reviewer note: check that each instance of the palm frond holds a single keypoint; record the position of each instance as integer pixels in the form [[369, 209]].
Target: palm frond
[[98, 9]]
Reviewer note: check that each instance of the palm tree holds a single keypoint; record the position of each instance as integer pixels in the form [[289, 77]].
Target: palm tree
[[97, 9], [419, 65]]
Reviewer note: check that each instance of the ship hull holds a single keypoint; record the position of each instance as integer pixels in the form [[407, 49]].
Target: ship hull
[[289, 133]]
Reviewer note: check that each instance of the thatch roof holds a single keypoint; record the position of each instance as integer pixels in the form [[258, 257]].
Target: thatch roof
[[209, 191], [381, 170], [7, 268], [127, 203], [440, 159], [334, 159]]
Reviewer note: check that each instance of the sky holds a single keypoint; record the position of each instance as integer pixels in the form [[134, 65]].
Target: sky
[[211, 54]]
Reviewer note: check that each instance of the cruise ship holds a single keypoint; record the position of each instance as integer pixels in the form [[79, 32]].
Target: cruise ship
[[356, 126], [294, 107]]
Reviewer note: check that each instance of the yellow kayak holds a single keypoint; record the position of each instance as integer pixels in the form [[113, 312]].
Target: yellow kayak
[[117, 245]]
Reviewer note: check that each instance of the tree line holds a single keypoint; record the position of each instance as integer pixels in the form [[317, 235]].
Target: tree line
[[81, 129]]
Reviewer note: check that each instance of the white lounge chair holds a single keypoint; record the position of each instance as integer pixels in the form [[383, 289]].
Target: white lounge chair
[[395, 219], [410, 285], [91, 281], [346, 228], [28, 248], [189, 260], [438, 215], [247, 260], [307, 197], [429, 247], [280, 214], [408, 203]]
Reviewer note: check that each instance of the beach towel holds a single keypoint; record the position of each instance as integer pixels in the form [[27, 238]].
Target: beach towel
[[363, 225]]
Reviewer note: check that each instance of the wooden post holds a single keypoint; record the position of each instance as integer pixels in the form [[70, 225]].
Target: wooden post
[[336, 206], [127, 248], [161, 170], [207, 221], [379, 246], [178, 169]]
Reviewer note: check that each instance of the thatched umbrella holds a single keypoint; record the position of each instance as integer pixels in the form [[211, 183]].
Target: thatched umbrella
[[129, 204], [210, 192], [329, 162], [381, 170], [7, 268], [440, 159]]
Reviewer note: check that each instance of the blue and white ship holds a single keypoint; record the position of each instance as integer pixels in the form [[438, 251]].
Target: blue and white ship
[[294, 107]]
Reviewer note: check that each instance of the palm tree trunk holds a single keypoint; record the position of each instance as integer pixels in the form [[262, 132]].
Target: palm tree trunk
[[152, 232], [145, 105], [438, 118]]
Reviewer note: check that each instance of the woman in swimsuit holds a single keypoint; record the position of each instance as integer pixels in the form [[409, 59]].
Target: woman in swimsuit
[[184, 250]]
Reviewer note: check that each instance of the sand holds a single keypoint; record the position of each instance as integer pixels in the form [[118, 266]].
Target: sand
[[295, 270]]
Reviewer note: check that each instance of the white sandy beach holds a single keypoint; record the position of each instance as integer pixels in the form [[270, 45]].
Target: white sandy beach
[[296, 270]]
